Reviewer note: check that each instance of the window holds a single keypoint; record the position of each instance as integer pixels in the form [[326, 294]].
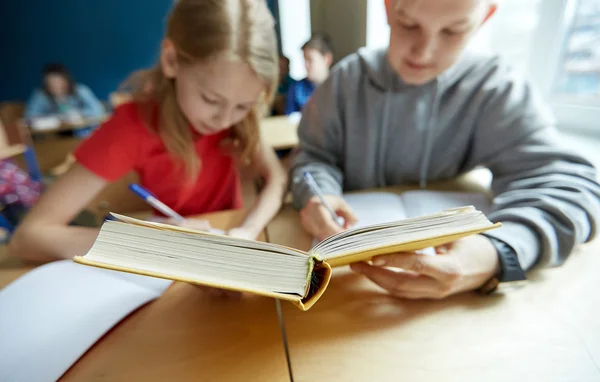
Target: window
[[555, 43], [294, 21], [571, 64], [578, 74]]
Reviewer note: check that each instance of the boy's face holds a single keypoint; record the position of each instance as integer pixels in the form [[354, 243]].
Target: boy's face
[[317, 65], [428, 36]]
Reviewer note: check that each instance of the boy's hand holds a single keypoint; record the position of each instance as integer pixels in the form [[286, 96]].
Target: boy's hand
[[317, 221], [461, 266]]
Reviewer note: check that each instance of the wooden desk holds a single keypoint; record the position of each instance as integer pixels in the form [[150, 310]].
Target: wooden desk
[[70, 126], [279, 132], [186, 335], [547, 331]]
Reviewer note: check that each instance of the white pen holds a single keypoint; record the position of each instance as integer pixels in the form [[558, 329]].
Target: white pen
[[314, 187]]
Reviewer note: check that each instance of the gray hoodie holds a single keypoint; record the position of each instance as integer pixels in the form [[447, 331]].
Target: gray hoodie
[[364, 128]]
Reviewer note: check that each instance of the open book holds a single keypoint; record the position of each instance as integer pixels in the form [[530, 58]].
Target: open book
[[272, 270], [379, 207]]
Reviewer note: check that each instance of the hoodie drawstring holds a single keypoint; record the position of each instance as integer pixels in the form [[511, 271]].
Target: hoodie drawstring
[[426, 157], [383, 139]]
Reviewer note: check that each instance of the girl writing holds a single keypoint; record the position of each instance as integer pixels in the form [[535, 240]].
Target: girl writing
[[193, 119]]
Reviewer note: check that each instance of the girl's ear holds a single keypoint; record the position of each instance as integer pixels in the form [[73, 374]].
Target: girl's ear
[[168, 59]]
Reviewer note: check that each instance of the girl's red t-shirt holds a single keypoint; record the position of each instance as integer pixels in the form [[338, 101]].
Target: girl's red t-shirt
[[124, 144]]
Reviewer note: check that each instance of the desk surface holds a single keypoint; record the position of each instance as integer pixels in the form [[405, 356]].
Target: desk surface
[[546, 331], [279, 132], [71, 126], [186, 335]]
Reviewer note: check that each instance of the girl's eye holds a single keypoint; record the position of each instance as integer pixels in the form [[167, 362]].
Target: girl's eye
[[449, 32]]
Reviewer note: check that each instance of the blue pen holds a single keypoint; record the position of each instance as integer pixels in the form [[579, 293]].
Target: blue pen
[[154, 202], [314, 187]]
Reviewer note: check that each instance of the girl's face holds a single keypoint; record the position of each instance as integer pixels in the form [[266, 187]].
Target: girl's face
[[428, 36], [214, 95], [57, 85]]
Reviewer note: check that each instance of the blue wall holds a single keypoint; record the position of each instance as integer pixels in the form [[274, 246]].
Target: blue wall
[[100, 41]]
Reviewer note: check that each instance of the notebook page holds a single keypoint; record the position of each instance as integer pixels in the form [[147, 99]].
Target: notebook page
[[424, 202], [376, 208], [52, 315]]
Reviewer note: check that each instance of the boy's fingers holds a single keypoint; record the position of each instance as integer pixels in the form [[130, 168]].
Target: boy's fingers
[[432, 266], [400, 284]]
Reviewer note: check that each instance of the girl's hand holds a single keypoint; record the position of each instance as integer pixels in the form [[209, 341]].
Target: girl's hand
[[198, 224], [242, 233], [220, 293], [461, 266]]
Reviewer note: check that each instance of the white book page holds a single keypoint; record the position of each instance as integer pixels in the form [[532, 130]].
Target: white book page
[[374, 208], [52, 315], [424, 202], [382, 207], [45, 123]]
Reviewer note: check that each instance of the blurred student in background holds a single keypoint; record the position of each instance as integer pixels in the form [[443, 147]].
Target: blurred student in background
[[62, 97], [318, 57], [193, 121], [285, 82]]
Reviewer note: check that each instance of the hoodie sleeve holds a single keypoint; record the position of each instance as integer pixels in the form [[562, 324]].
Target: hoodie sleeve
[[547, 197], [320, 150]]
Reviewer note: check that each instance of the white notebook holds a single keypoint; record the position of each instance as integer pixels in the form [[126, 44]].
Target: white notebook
[[52, 315]]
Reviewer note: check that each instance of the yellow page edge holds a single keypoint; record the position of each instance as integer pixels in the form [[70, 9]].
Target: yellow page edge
[[353, 257]]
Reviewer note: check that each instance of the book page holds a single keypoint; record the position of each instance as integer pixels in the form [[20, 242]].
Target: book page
[[409, 235], [45, 123], [424, 202], [383, 207], [52, 315], [175, 253], [374, 208]]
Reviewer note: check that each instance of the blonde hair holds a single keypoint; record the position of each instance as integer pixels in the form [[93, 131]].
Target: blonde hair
[[200, 30]]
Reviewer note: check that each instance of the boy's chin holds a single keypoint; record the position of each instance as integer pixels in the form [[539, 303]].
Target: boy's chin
[[417, 80]]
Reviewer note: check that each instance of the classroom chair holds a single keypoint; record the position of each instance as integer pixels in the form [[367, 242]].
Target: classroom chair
[[13, 133]]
